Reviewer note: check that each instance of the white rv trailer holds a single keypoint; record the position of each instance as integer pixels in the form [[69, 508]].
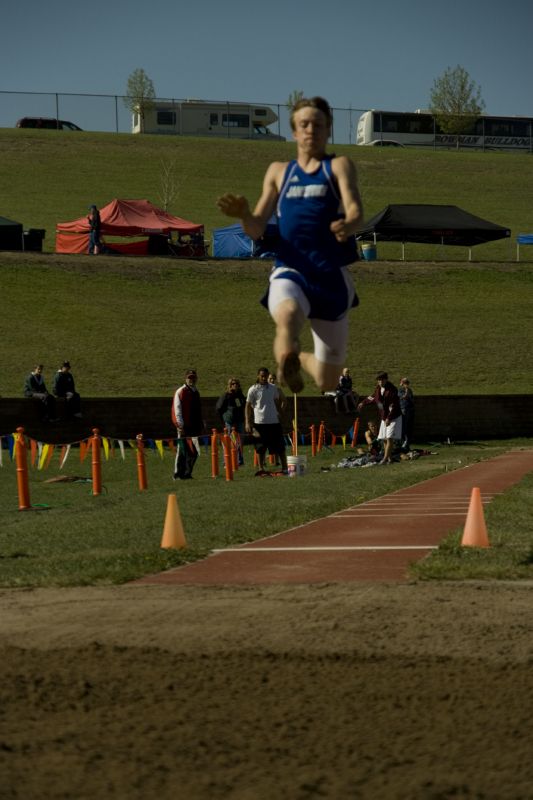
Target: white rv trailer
[[200, 118]]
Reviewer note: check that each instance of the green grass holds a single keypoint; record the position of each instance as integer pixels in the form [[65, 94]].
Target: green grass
[[74, 538], [131, 325], [130, 328], [48, 177], [510, 555]]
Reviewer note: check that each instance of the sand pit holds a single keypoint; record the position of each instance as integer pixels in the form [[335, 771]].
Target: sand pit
[[339, 691]]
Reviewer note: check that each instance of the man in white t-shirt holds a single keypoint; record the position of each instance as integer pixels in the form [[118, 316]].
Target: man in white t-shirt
[[262, 414]]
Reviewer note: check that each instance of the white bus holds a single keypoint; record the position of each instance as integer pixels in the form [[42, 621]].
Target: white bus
[[420, 128], [200, 118]]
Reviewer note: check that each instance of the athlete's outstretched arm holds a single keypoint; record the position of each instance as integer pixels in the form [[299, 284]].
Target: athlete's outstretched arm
[[344, 170], [254, 223]]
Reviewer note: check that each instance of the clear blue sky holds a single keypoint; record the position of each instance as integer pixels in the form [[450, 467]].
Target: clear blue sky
[[382, 54]]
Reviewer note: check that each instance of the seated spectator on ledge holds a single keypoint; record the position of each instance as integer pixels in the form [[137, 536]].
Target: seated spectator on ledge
[[35, 388], [64, 387], [344, 393]]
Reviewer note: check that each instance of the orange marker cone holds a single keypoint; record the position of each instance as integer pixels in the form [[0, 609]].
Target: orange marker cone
[[173, 535], [475, 532]]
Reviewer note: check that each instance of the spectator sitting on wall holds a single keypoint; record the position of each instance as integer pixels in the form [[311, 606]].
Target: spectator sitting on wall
[[344, 393], [64, 387], [35, 387]]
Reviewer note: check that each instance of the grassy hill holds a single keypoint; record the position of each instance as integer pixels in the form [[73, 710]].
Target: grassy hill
[[52, 176], [130, 326]]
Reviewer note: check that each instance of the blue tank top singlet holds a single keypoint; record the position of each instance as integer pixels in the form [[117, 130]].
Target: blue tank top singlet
[[307, 252], [308, 203]]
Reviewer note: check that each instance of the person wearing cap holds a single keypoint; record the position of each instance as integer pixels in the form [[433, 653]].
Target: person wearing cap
[[35, 387], [187, 417], [64, 387], [386, 399], [94, 231]]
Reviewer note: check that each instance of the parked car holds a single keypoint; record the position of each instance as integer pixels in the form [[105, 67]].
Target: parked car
[[48, 123], [385, 143]]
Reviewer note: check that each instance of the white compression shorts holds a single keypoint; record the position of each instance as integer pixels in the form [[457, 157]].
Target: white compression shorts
[[330, 337]]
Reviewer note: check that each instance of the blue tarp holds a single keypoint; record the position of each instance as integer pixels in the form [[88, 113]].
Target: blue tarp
[[233, 242]]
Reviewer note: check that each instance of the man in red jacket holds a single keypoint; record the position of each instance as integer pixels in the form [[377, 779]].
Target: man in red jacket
[[187, 417], [386, 398]]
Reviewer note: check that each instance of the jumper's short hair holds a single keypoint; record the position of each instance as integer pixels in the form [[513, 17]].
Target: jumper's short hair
[[312, 102], [382, 376]]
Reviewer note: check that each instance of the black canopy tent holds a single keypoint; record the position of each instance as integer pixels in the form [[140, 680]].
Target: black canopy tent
[[11, 234], [431, 224]]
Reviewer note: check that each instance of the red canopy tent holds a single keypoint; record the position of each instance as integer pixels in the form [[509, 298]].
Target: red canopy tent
[[126, 218]]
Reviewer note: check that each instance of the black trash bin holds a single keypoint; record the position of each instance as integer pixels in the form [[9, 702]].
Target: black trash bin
[[33, 239]]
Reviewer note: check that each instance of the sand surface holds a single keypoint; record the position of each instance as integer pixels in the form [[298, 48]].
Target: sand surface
[[338, 691]]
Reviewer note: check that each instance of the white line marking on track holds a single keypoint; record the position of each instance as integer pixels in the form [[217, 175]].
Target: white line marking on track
[[416, 495], [405, 509], [371, 515], [305, 549], [432, 501]]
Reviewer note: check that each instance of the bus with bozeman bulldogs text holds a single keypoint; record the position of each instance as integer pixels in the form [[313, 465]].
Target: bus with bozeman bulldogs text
[[420, 128]]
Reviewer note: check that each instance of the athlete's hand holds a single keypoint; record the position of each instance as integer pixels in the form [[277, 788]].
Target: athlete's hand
[[340, 230], [233, 205]]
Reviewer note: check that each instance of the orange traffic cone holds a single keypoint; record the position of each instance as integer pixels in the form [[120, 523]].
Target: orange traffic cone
[[475, 532], [173, 535]]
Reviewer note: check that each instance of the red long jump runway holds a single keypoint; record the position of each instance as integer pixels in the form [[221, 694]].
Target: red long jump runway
[[374, 541]]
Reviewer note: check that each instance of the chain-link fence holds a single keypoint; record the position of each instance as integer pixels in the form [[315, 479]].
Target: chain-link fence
[[103, 112]]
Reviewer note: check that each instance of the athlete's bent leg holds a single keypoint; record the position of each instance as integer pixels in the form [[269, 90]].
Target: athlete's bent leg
[[289, 319], [289, 309], [325, 375], [330, 340]]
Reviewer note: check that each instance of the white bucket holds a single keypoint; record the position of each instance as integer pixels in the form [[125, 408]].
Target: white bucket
[[297, 466]]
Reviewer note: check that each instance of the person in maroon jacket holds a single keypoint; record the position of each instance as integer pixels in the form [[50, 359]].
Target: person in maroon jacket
[[386, 398], [187, 417]]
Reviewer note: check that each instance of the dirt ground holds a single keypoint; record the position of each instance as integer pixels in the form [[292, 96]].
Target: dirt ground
[[339, 691]]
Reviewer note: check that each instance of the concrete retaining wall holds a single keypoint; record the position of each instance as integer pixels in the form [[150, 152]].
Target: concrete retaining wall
[[437, 417]]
